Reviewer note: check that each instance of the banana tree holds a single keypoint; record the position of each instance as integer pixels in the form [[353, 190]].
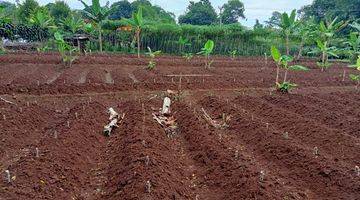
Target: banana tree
[[66, 51], [353, 46], [206, 51], [327, 31], [152, 55], [356, 77], [4, 19], [42, 20], [306, 31], [183, 43], [288, 24], [137, 22], [96, 13], [72, 25], [282, 61], [325, 51]]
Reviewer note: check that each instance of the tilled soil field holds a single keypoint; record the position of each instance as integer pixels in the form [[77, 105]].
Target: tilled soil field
[[303, 145]]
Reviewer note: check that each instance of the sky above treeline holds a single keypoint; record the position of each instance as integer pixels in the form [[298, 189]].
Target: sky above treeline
[[254, 9]]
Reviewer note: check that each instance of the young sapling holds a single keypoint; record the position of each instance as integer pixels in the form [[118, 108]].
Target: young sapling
[[188, 56], [356, 77], [152, 55], [206, 52], [282, 61], [233, 54], [66, 51]]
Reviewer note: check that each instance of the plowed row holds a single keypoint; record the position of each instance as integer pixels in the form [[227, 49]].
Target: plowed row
[[303, 145]]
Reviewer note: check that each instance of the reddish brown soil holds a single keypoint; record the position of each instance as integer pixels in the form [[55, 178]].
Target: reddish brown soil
[[200, 162]]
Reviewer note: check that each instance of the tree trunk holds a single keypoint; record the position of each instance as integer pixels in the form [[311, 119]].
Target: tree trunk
[[300, 50], [100, 39], [277, 74], [287, 45], [323, 60], [285, 76], [138, 41]]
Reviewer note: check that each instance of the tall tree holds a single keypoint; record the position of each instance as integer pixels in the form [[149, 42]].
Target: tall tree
[[343, 9], [233, 11], [27, 9], [121, 9], [59, 10], [275, 20], [199, 13], [96, 13], [153, 12], [258, 25]]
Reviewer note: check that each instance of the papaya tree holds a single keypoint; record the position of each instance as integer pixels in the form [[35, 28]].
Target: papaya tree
[[206, 52], [96, 13], [282, 61]]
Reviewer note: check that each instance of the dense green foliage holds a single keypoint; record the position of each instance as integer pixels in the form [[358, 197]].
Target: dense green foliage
[[343, 9], [295, 36], [59, 10], [232, 12], [199, 13]]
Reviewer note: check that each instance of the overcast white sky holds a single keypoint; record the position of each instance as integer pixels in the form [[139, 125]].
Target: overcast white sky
[[254, 9]]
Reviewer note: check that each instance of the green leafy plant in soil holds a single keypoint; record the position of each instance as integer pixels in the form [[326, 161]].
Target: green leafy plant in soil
[[188, 56], [206, 52], [152, 55], [356, 77], [326, 32], [137, 22], [233, 54], [66, 51], [282, 61]]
